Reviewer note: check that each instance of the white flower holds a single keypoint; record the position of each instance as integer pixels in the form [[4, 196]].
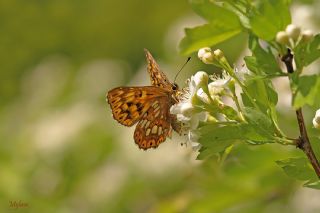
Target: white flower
[[219, 84], [316, 120], [187, 110], [293, 31]]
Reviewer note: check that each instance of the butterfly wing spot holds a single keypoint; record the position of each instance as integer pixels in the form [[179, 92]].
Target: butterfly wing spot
[[157, 114], [147, 124], [154, 129], [160, 130], [148, 132]]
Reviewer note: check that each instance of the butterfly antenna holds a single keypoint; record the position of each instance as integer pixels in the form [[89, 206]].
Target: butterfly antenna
[[189, 58]]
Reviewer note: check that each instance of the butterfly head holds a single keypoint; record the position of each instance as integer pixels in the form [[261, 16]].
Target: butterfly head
[[175, 87]]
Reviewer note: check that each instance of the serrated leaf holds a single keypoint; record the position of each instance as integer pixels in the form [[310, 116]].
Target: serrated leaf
[[223, 25], [305, 54], [262, 92], [205, 36], [260, 122], [307, 90], [315, 144], [216, 147], [298, 168], [210, 135], [214, 13], [270, 17], [204, 153], [262, 60], [312, 184]]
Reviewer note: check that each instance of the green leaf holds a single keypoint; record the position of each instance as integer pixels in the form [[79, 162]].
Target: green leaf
[[205, 153], [262, 92], [307, 90], [211, 135], [312, 184], [262, 61], [260, 122], [206, 35], [298, 168], [315, 144], [222, 25], [214, 13], [305, 54], [216, 147], [270, 17]]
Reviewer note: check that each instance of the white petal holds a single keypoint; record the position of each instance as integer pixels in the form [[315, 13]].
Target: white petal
[[194, 122], [193, 137], [175, 109], [187, 109], [201, 77], [202, 116], [203, 96]]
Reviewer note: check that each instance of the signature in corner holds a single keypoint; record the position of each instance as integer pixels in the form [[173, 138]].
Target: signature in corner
[[18, 204]]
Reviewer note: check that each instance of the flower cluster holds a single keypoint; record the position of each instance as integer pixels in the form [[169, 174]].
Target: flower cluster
[[202, 98], [293, 35]]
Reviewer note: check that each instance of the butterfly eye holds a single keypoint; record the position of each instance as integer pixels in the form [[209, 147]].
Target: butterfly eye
[[175, 86]]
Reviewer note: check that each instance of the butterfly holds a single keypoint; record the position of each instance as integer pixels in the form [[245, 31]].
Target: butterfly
[[149, 106]]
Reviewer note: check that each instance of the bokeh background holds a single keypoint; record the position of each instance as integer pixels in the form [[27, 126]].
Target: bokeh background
[[60, 149]]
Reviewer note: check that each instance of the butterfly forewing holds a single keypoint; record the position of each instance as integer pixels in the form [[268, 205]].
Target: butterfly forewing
[[128, 104], [157, 77]]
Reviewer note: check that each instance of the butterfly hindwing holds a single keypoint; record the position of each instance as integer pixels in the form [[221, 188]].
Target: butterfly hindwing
[[154, 126]]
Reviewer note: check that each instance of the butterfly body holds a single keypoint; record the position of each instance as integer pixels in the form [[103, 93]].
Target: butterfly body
[[148, 106]]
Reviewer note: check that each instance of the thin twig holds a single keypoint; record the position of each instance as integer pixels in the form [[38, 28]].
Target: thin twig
[[303, 142]]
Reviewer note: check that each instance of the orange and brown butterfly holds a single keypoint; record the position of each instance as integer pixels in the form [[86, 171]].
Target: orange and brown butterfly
[[149, 106]]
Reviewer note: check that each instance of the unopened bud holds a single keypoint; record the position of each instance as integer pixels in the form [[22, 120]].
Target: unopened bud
[[202, 51], [307, 36], [282, 38], [218, 54], [293, 31], [316, 120]]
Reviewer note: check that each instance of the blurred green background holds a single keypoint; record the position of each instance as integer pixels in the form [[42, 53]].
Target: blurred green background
[[61, 151]]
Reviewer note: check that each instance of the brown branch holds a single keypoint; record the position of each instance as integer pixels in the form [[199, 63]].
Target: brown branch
[[303, 142]]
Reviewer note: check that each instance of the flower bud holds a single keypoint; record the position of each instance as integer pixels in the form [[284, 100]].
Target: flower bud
[[307, 35], [218, 54], [202, 51], [205, 55], [293, 31], [282, 38], [208, 58], [316, 120]]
